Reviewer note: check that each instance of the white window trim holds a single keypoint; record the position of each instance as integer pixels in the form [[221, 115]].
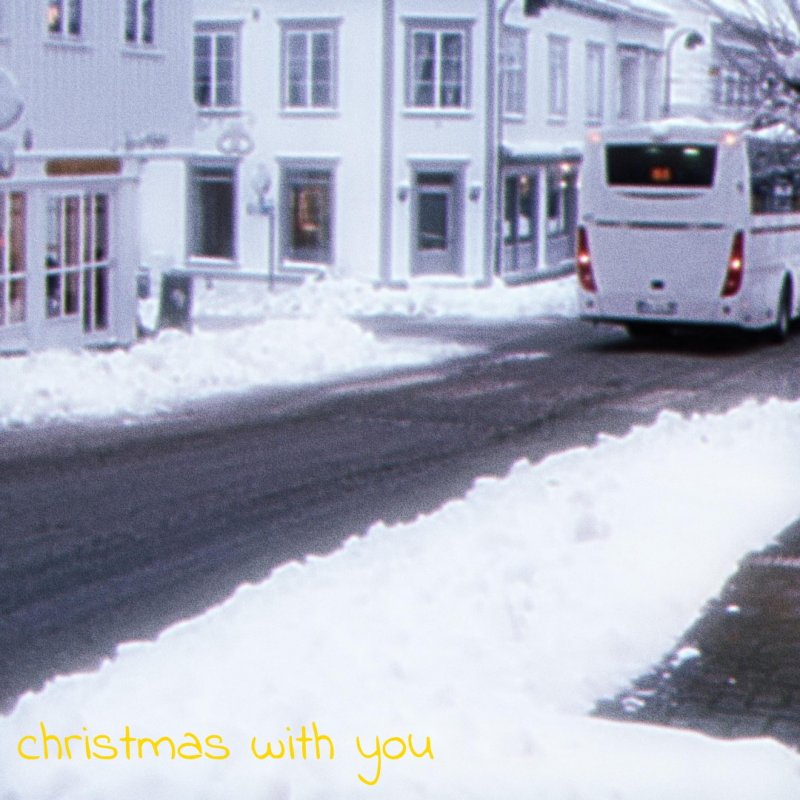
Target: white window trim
[[309, 27], [82, 268], [289, 164], [557, 82], [214, 30], [596, 83], [438, 26], [200, 259], [521, 69]]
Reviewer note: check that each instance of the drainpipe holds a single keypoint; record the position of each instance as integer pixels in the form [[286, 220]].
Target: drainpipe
[[498, 145]]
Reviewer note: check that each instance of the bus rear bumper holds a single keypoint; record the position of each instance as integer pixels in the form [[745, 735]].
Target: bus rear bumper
[[739, 312]]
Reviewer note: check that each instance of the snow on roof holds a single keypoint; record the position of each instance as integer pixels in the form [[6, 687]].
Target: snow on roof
[[543, 149], [673, 126]]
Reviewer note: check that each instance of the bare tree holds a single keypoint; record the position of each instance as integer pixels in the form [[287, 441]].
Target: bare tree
[[760, 39]]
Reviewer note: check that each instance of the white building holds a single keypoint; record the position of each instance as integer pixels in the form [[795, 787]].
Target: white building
[[708, 75], [102, 88], [365, 139], [570, 68]]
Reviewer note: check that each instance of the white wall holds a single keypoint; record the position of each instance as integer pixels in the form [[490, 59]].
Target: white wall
[[430, 136], [348, 136], [93, 92]]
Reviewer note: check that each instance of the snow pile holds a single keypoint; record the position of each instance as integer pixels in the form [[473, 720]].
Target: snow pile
[[175, 367], [491, 627], [357, 298]]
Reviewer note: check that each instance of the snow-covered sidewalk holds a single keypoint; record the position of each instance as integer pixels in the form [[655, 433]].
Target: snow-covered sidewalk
[[481, 634], [302, 336]]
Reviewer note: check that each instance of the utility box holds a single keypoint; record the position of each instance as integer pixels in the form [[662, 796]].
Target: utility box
[[175, 306]]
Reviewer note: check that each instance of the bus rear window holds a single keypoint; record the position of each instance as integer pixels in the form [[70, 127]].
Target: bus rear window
[[667, 165]]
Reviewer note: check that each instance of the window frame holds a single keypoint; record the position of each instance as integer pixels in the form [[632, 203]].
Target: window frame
[[557, 77], [595, 82], [308, 29], [630, 55], [88, 268], [438, 28], [519, 68], [314, 173], [143, 10], [13, 253], [214, 31], [69, 20], [196, 169]]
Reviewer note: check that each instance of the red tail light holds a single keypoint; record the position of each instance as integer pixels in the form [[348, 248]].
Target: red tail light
[[583, 258], [735, 273]]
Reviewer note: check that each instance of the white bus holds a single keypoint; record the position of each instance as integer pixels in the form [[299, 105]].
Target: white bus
[[684, 223]]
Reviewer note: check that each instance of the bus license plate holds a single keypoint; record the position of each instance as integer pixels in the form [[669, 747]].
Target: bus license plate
[[657, 309]]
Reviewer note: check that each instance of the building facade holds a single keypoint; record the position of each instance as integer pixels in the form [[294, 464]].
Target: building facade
[[568, 69], [404, 141], [97, 96]]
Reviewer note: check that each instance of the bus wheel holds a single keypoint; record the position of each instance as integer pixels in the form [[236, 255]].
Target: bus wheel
[[783, 317]]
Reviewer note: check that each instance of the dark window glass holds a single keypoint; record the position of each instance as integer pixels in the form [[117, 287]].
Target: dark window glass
[[667, 165], [774, 176], [148, 22], [213, 217], [131, 20], [433, 210]]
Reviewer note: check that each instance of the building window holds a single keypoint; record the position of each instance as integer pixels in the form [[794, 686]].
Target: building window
[[652, 63], [139, 22], [734, 90], [438, 67], [216, 67], [561, 198], [307, 215], [513, 69], [13, 258], [213, 212], [64, 18], [78, 259], [595, 81], [629, 85], [309, 66], [558, 53]]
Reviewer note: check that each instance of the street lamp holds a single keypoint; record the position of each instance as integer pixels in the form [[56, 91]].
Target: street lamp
[[692, 39]]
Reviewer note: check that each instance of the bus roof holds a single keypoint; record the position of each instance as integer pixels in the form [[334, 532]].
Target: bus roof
[[679, 129]]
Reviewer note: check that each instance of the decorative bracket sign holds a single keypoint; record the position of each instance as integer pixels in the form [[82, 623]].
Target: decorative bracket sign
[[235, 141]]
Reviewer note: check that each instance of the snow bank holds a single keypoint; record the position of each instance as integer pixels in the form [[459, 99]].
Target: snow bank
[[483, 633], [357, 298], [176, 367]]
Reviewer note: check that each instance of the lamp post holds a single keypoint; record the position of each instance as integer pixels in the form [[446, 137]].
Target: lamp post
[[692, 39]]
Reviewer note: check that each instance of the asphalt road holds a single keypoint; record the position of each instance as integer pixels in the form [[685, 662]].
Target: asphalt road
[[111, 532]]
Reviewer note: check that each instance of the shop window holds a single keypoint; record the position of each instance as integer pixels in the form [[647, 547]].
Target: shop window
[[13, 258], [213, 212], [77, 259], [307, 227]]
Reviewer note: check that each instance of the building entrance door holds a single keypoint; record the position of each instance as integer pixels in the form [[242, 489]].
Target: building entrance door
[[437, 219]]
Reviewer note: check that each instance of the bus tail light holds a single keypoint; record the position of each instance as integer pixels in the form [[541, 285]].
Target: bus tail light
[[583, 259], [735, 273]]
